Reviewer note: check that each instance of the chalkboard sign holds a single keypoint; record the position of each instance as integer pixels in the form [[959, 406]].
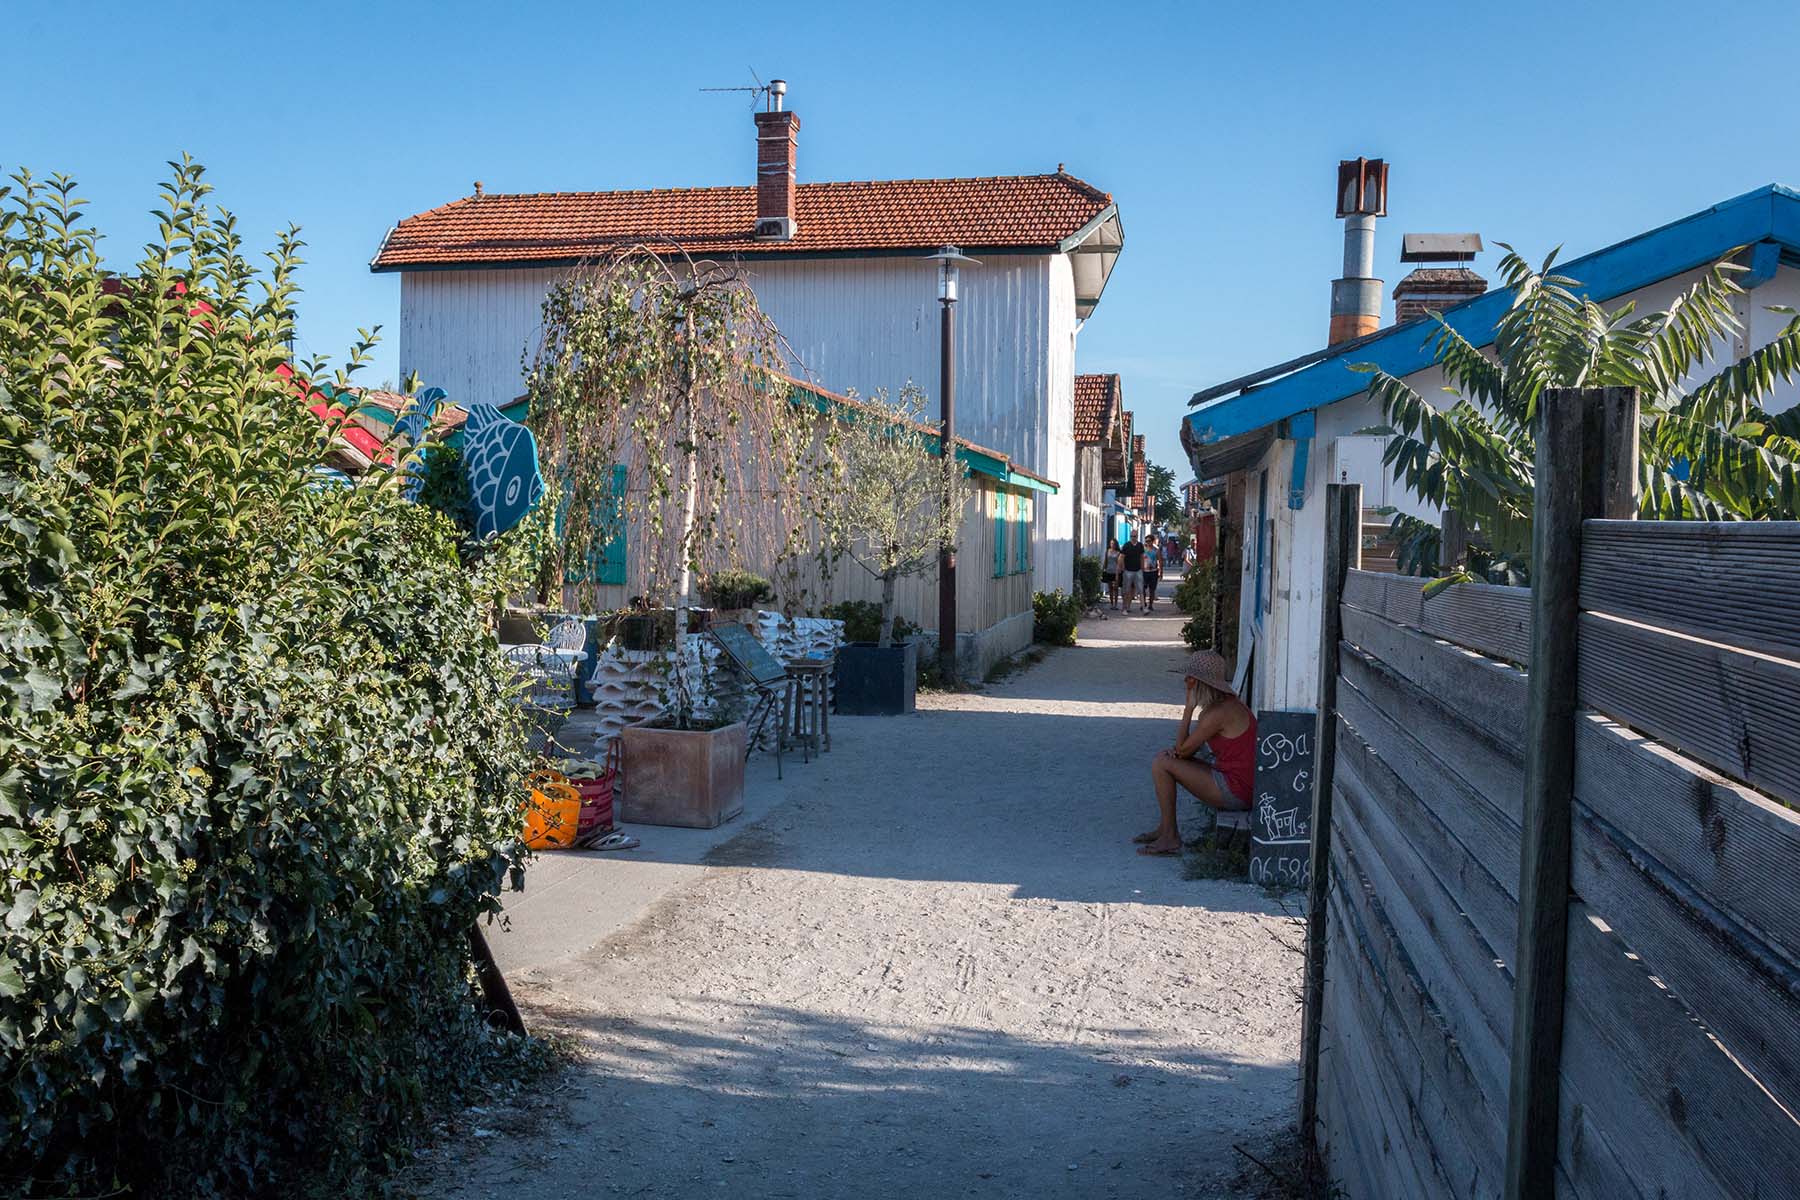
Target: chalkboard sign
[[749, 655], [1281, 819]]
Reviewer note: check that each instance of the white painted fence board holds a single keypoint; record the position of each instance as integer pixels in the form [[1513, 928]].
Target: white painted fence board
[[1733, 710]]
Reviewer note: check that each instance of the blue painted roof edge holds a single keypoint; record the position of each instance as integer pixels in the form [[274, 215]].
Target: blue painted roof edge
[[1770, 213]]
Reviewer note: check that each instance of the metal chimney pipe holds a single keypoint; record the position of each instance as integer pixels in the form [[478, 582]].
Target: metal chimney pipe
[[1356, 298]]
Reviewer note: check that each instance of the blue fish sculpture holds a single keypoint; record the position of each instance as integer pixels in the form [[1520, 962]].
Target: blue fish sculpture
[[413, 426], [500, 461]]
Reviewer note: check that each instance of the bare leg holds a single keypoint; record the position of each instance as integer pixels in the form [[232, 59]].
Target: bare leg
[[1197, 777]]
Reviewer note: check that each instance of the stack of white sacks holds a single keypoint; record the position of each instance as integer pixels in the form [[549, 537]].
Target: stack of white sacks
[[633, 685]]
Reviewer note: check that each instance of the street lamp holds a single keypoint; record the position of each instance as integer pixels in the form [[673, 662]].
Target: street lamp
[[950, 261]]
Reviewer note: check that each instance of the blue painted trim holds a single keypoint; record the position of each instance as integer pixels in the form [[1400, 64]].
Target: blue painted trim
[[1765, 260], [1301, 428], [1769, 214]]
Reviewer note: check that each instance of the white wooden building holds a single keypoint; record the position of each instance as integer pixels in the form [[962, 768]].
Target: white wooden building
[[1288, 431], [839, 267]]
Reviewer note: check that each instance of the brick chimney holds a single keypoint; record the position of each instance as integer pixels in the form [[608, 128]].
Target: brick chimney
[[775, 154], [1435, 288]]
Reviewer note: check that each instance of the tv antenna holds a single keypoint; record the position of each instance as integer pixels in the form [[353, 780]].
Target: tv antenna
[[772, 91]]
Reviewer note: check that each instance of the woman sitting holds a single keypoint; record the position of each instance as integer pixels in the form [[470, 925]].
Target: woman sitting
[[1214, 757]]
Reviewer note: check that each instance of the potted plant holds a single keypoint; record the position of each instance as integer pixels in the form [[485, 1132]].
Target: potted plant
[[898, 503], [674, 449], [734, 594]]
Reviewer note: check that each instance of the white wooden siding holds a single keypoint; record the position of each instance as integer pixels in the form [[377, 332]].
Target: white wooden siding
[[851, 324]]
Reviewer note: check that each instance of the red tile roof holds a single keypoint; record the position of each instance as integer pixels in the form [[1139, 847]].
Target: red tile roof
[[1096, 406], [1140, 474], [1005, 212]]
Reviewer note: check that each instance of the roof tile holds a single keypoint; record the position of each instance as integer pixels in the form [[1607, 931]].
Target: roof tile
[[1096, 406], [1002, 212]]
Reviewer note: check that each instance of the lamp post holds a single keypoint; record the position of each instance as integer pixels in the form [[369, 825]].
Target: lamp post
[[949, 260]]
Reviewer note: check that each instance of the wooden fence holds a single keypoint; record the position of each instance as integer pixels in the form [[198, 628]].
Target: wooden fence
[[1657, 1050]]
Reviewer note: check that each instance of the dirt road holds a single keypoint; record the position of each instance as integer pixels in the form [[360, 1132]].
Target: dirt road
[[937, 968]]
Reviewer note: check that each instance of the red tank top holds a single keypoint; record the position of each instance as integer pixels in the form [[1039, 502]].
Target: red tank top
[[1235, 758]]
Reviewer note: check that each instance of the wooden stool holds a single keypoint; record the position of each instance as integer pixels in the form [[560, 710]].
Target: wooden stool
[[808, 702]]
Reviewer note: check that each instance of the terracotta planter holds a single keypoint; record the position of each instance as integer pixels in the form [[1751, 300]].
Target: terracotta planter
[[688, 777]]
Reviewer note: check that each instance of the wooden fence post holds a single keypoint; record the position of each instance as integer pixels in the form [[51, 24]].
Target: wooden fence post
[[1453, 542], [1343, 552], [1587, 450]]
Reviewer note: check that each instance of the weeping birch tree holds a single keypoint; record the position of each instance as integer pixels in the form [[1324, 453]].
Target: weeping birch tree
[[1709, 449], [670, 444]]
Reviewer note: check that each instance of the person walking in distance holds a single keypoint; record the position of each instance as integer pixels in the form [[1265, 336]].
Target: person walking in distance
[[1109, 572], [1152, 570], [1131, 567]]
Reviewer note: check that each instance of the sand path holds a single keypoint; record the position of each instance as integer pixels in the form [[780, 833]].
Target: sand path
[[933, 967]]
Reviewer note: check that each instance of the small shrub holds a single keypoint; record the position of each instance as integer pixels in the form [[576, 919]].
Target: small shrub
[[1196, 631], [736, 589], [1194, 594], [862, 622], [1055, 616], [1087, 580]]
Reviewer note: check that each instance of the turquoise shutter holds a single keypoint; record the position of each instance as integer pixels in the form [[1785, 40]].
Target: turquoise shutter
[[1001, 500], [1023, 556], [607, 563]]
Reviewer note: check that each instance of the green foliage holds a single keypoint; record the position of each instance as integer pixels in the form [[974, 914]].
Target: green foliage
[[259, 758], [1196, 631], [1707, 451], [898, 502], [1054, 616], [862, 621], [1087, 580], [736, 589], [1194, 594], [1159, 484]]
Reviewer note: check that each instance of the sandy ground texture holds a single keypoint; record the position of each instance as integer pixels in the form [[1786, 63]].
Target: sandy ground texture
[[932, 966]]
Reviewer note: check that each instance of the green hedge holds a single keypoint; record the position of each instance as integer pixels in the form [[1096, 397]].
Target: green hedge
[[259, 766], [1055, 616], [1194, 594], [1087, 580]]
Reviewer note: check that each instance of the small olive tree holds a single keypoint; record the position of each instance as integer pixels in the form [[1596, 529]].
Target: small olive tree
[[898, 500]]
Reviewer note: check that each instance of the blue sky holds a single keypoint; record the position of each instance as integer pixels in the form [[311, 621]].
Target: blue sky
[[1216, 127]]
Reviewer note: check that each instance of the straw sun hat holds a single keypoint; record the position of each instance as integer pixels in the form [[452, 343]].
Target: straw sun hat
[[1210, 668]]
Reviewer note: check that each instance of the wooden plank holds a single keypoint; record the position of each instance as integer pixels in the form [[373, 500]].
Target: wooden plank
[[1405, 599], [1465, 875], [1734, 710], [1366, 590], [1487, 694], [1480, 761], [1735, 847], [1482, 616], [1464, 1127], [1728, 581], [1397, 1156], [1748, 995], [1343, 553], [1676, 1114], [1568, 471], [1468, 992]]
